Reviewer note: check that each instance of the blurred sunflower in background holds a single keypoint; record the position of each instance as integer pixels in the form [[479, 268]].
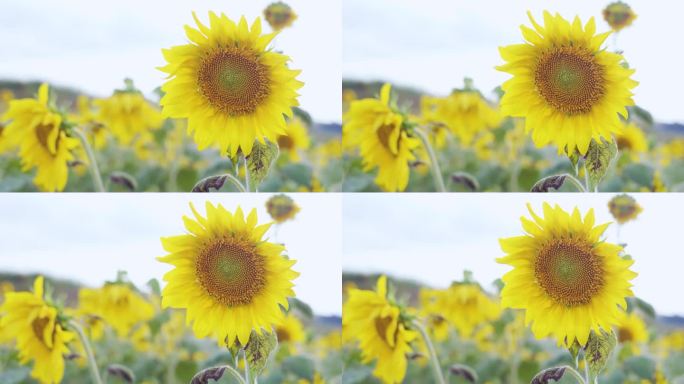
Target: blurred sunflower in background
[[370, 318], [378, 131], [282, 208], [631, 330], [466, 306], [279, 15], [619, 15], [38, 329], [632, 140], [295, 139], [569, 90], [37, 129], [229, 85], [624, 208], [290, 331], [568, 280], [117, 304], [226, 276], [127, 114]]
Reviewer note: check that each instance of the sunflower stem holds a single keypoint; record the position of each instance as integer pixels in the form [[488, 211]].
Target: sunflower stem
[[436, 368], [575, 374], [244, 159], [578, 184], [235, 182], [586, 180], [92, 363], [586, 372], [434, 165], [247, 378], [92, 162]]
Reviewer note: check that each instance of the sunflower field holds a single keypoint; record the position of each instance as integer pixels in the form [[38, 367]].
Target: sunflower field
[[564, 312], [225, 118], [226, 310], [564, 120]]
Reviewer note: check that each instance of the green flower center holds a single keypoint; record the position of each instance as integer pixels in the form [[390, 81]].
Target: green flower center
[[570, 80], [569, 272], [233, 80], [231, 272]]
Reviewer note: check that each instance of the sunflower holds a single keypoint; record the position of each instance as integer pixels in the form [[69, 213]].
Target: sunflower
[[371, 319], [86, 117], [632, 139], [229, 86], [127, 115], [631, 330], [290, 331], [466, 305], [39, 332], [466, 113], [567, 87], [229, 279], [568, 281], [624, 208], [279, 15], [295, 138], [619, 15], [117, 304], [281, 208], [373, 126], [43, 144], [430, 310]]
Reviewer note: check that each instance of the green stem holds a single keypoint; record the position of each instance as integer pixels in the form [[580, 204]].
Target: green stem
[[586, 180], [235, 182], [578, 184], [92, 163], [575, 374], [92, 363], [586, 372], [246, 367], [434, 165], [246, 174], [436, 368]]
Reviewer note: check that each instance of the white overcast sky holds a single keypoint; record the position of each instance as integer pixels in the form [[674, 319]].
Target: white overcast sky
[[434, 44], [433, 238], [89, 237], [94, 45]]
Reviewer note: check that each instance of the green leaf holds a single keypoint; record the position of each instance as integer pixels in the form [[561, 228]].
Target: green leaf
[[258, 350], [646, 308], [15, 375], [299, 173], [598, 160], [598, 350], [464, 371], [124, 180], [259, 162], [302, 307], [548, 375], [121, 372], [465, 179], [154, 286], [185, 370]]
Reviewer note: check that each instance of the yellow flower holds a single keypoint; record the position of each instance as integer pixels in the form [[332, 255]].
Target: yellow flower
[[465, 113], [229, 85], [371, 319], [290, 331], [43, 144], [316, 380], [624, 208], [295, 138], [227, 277], [117, 304], [568, 281], [632, 139], [87, 119], [631, 330], [279, 15], [672, 150], [619, 15], [127, 115], [40, 336], [466, 306], [430, 309], [568, 89], [373, 126]]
